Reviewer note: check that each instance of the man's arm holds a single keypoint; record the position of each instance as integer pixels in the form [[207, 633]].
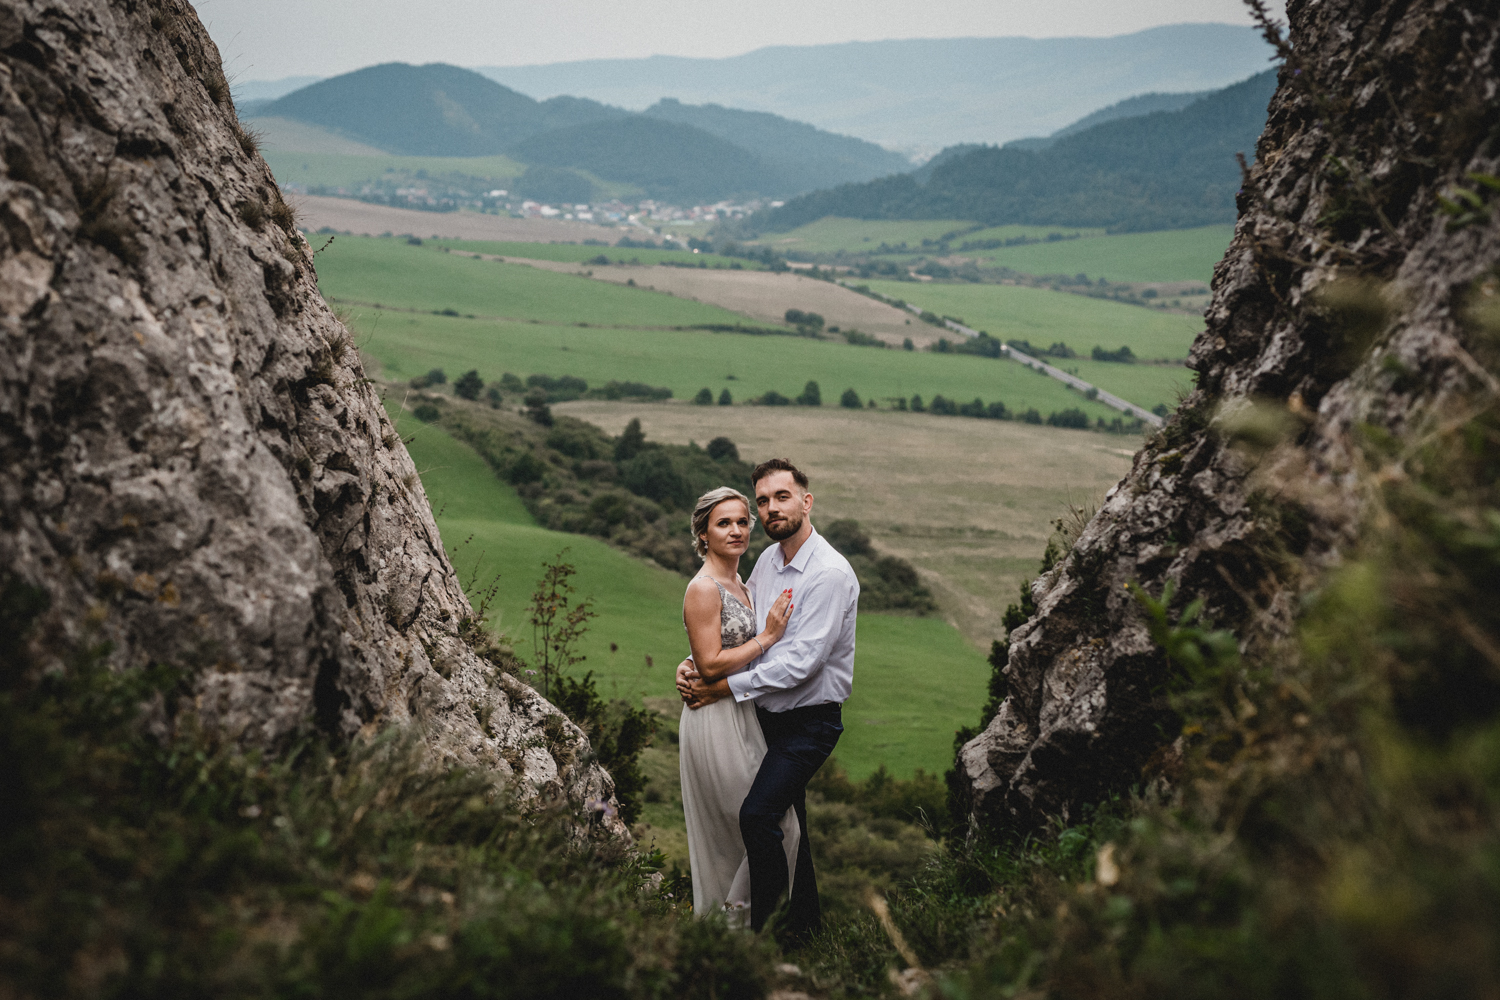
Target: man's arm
[[824, 597]]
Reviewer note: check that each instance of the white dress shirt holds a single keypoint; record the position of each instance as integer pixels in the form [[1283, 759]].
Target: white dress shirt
[[813, 663]]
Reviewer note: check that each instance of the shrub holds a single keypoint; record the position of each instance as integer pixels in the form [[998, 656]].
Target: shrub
[[997, 411], [650, 474], [944, 406], [907, 345], [774, 398], [796, 317], [426, 412], [1031, 416], [725, 399], [811, 395], [614, 389], [525, 468], [917, 406], [493, 397], [850, 399], [1071, 417], [721, 448], [1122, 355], [537, 408], [434, 377], [705, 397], [630, 442], [468, 385]]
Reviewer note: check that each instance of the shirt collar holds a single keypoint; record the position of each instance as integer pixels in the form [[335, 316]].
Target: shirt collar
[[800, 560]]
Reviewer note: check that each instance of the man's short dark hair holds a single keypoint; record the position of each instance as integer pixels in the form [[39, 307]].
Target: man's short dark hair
[[771, 465]]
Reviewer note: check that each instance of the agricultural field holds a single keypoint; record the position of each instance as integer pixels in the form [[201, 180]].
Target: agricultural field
[[577, 253], [917, 680], [685, 361], [1171, 255], [1043, 317], [969, 502], [345, 170], [317, 213], [833, 235], [394, 273], [1143, 384]]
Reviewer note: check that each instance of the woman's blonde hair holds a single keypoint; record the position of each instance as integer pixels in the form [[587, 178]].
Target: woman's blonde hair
[[706, 504]]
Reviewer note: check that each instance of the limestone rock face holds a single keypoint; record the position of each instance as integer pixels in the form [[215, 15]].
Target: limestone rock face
[[192, 464], [1337, 316]]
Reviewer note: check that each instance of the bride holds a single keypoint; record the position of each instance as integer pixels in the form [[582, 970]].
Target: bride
[[720, 741]]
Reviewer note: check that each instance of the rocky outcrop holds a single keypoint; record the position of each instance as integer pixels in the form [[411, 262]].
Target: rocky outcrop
[[193, 466], [1337, 322]]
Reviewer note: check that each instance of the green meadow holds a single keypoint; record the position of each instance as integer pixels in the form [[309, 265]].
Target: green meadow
[[577, 253], [1043, 317], [352, 170], [831, 235], [916, 679], [687, 360], [1142, 384], [395, 273], [1171, 255]]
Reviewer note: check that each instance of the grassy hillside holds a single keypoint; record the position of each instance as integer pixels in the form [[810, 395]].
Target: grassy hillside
[[342, 170], [916, 679], [393, 273], [1169, 255], [832, 235], [1043, 316]]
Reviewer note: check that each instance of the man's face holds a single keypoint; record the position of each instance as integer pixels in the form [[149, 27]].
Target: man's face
[[781, 504]]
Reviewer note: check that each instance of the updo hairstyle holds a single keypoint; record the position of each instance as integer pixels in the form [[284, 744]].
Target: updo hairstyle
[[706, 504]]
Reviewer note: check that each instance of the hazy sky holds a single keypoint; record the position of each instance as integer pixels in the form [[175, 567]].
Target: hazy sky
[[269, 39]]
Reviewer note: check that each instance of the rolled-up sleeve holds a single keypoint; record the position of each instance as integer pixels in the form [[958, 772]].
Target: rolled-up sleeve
[[824, 599]]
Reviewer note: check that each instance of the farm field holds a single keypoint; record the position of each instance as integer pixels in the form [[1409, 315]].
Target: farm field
[[1144, 385], [1043, 317], [969, 502], [685, 361], [917, 680], [577, 253], [347, 215], [349, 170], [394, 273], [864, 236], [1172, 255]]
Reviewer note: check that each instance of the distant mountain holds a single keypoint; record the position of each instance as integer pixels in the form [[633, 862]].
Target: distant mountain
[[926, 93], [674, 153], [807, 157], [668, 161], [1165, 170], [1131, 107]]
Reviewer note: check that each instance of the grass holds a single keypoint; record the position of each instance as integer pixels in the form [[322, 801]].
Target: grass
[[1171, 255], [577, 253], [830, 235], [1043, 316], [394, 273], [688, 360], [346, 170], [916, 680], [1144, 385]]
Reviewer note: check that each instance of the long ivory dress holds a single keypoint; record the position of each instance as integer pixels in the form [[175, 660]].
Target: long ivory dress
[[721, 747]]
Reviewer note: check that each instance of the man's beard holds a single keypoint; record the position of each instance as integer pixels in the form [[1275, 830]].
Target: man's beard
[[783, 529]]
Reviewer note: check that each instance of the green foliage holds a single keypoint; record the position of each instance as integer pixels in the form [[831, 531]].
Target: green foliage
[[886, 583], [556, 623], [705, 397], [426, 412], [468, 385], [725, 399], [850, 399], [811, 395], [1122, 355], [178, 866]]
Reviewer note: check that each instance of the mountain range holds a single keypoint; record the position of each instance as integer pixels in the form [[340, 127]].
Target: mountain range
[[1163, 170], [672, 151], [921, 94]]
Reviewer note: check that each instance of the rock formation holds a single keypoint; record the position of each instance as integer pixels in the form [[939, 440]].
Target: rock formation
[[1366, 230], [192, 464]]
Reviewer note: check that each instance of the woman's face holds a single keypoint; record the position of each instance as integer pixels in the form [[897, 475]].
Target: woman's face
[[728, 529]]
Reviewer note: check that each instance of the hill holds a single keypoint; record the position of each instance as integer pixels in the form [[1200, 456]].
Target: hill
[[1166, 170], [1131, 107], [921, 93], [808, 157]]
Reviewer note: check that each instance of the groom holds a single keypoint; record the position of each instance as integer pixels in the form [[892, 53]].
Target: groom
[[798, 687]]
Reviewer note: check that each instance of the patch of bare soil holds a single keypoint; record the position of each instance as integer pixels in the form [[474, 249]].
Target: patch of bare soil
[[968, 502], [363, 219], [766, 296]]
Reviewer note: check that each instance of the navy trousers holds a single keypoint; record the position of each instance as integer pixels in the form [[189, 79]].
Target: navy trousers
[[797, 743]]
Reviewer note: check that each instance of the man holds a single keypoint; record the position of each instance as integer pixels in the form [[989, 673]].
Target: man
[[798, 686]]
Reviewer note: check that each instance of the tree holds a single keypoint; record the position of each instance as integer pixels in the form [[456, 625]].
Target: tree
[[631, 441], [811, 395], [705, 397], [537, 408], [721, 448], [907, 345], [916, 405], [492, 395], [850, 399], [469, 384], [725, 399]]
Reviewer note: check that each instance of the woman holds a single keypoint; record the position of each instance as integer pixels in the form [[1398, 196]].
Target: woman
[[721, 743]]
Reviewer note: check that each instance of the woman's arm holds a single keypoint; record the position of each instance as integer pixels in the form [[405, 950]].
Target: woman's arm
[[701, 608]]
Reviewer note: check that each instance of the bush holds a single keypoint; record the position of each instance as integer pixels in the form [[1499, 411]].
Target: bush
[[1123, 355], [493, 397], [725, 399], [1071, 417], [426, 412], [850, 399], [943, 406], [650, 474], [630, 442], [774, 398], [614, 390], [434, 377], [907, 345], [859, 339], [997, 411], [525, 468], [796, 317], [721, 448], [1031, 416], [705, 397], [811, 395], [468, 385], [560, 389], [537, 408]]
